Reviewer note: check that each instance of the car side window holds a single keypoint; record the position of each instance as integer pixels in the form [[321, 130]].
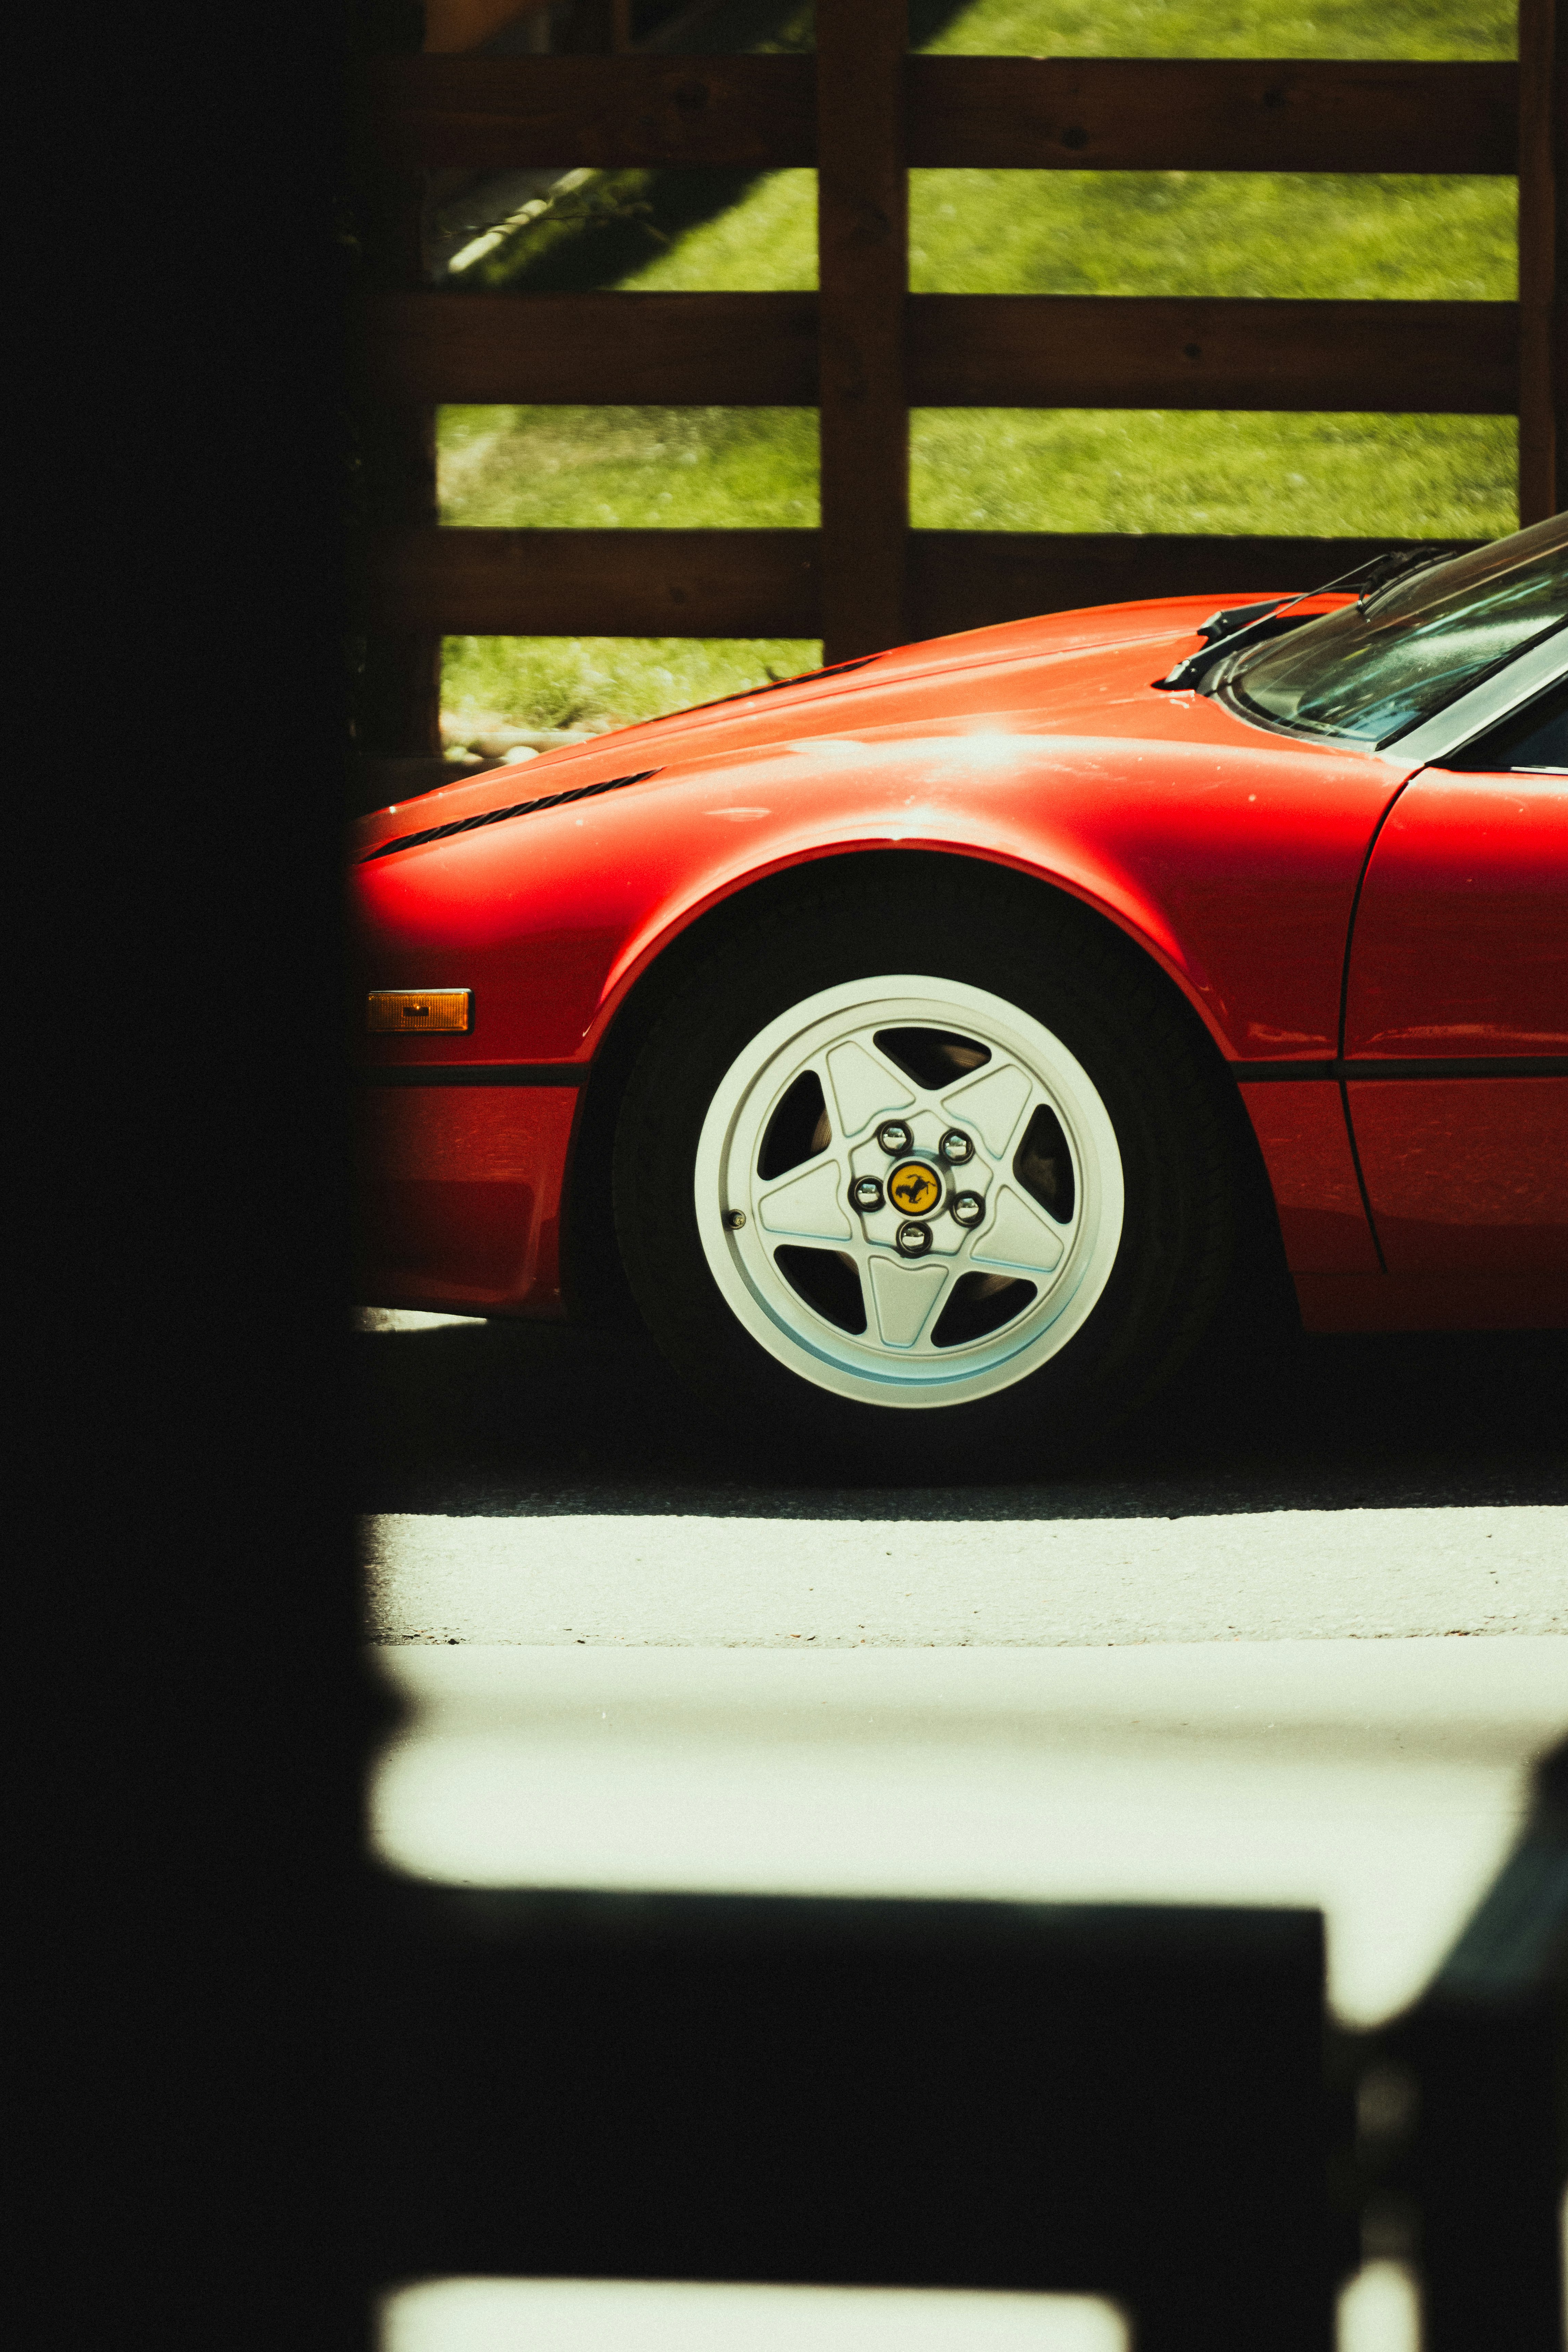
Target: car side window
[[1534, 742]]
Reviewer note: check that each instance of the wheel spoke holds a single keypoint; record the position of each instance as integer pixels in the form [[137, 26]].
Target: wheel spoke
[[994, 1104], [810, 1204], [904, 1296], [1017, 1233], [865, 1085]]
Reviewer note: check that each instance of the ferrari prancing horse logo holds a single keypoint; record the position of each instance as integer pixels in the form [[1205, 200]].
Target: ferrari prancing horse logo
[[914, 1188]]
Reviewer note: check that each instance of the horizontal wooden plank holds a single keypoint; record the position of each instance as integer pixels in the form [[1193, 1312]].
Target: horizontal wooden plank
[[441, 113], [1103, 352], [634, 584], [971, 579], [965, 351], [741, 350], [763, 584], [1121, 114], [1211, 114]]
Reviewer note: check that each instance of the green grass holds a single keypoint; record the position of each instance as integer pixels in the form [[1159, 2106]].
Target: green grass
[[990, 469], [600, 682], [1197, 233], [1004, 232], [542, 468], [1295, 235], [1152, 470], [1196, 29]]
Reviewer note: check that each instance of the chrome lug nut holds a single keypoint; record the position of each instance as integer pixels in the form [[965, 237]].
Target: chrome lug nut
[[894, 1135], [955, 1147], [865, 1192], [914, 1240], [968, 1208]]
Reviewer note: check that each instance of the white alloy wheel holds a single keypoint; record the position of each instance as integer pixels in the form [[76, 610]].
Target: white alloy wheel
[[908, 1191]]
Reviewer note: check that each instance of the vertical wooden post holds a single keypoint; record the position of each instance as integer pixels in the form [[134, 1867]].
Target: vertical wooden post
[[402, 698], [403, 717], [397, 697], [1542, 259], [862, 198]]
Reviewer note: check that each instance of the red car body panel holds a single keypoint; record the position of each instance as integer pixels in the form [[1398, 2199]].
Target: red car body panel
[[1304, 1139], [1466, 1175], [458, 1201], [1461, 936], [1231, 855], [1461, 953]]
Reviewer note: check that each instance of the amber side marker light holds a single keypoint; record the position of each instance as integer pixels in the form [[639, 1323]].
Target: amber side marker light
[[426, 1011]]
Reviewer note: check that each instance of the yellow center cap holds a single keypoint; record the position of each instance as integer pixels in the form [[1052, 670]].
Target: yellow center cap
[[914, 1188]]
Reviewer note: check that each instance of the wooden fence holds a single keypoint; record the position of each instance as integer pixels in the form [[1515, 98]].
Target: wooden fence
[[863, 350]]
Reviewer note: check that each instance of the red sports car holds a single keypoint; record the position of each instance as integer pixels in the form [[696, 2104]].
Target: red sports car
[[920, 1037]]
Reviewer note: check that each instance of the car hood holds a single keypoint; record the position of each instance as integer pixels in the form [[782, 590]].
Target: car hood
[[1079, 673]]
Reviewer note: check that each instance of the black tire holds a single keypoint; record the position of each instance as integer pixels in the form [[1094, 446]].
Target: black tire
[[1158, 1078]]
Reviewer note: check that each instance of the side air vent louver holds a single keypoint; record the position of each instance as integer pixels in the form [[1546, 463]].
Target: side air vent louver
[[498, 816]]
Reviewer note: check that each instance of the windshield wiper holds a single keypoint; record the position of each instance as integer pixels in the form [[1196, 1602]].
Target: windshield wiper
[[1235, 625], [1372, 592]]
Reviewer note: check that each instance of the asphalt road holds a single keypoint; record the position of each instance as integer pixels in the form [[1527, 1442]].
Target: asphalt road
[[679, 1582]]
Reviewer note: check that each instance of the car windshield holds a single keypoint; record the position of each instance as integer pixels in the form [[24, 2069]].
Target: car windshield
[[1371, 672]]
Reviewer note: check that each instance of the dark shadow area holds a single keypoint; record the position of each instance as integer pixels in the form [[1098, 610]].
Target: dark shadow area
[[187, 1827], [625, 218], [498, 1418], [623, 221], [726, 2091], [628, 217]]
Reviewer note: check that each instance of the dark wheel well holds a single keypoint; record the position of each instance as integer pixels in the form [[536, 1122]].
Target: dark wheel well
[[596, 1286]]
